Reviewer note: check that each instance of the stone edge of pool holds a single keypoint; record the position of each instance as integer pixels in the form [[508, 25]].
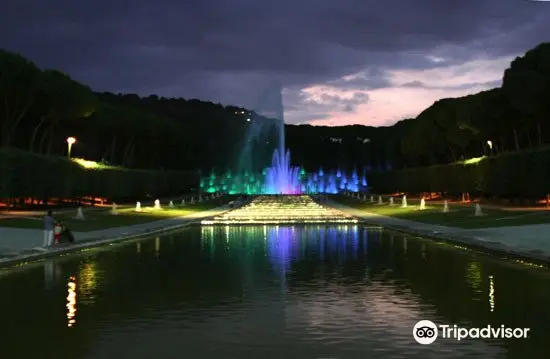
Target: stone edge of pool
[[494, 249], [88, 244]]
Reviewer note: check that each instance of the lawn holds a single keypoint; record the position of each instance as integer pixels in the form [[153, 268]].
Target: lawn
[[459, 215], [102, 218]]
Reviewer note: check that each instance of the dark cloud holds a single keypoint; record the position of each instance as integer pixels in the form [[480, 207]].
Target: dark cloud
[[467, 85], [226, 51]]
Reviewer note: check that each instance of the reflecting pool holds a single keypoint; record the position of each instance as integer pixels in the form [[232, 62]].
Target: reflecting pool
[[270, 292]]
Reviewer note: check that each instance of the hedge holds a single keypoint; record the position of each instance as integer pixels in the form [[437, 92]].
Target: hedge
[[524, 174], [24, 174]]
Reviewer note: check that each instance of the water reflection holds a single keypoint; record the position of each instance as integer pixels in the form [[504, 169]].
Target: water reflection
[[266, 291], [52, 274], [491, 293], [474, 278], [71, 302], [286, 245], [423, 250], [87, 279], [157, 247]]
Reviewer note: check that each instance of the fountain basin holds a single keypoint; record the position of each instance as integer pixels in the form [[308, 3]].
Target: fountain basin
[[281, 210]]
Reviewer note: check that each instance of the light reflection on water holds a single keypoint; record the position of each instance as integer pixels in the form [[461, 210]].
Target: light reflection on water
[[269, 291], [491, 293], [71, 302]]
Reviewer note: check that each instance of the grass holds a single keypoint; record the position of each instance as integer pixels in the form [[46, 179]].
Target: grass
[[459, 215], [101, 219]]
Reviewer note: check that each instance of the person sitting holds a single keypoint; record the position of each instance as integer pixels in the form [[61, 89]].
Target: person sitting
[[66, 236], [66, 232]]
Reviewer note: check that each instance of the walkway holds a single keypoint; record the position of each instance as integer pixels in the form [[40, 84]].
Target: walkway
[[15, 241], [40, 212], [531, 240]]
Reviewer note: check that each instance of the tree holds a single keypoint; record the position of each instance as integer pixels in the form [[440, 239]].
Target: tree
[[19, 79], [39, 109], [526, 85], [61, 99]]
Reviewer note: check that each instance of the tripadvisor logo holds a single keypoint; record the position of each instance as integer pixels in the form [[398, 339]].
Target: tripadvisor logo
[[426, 332]]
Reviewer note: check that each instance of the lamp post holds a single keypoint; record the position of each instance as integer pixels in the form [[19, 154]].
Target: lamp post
[[70, 142]]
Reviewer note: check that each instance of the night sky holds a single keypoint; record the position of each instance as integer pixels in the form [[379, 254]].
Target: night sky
[[371, 62]]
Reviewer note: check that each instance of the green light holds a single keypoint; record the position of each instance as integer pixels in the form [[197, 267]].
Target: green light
[[472, 161]]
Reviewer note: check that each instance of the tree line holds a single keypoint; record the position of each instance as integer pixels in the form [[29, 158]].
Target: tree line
[[40, 108]]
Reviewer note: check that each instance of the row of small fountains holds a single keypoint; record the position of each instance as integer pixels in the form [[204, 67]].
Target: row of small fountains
[[421, 207], [157, 205]]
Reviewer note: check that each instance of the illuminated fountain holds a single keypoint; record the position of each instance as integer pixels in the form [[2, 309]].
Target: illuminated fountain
[[281, 210], [281, 177], [254, 175]]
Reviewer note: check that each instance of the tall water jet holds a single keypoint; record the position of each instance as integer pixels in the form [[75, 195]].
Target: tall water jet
[[265, 136]]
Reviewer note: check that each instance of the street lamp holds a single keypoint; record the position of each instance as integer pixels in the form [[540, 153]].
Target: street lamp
[[70, 142]]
